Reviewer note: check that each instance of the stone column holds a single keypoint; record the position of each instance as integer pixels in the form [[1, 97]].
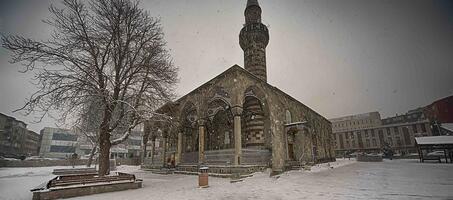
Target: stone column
[[201, 133], [237, 112], [179, 149], [278, 147], [164, 150], [153, 146]]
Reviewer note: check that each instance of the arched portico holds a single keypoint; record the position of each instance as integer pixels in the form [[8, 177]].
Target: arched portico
[[220, 127], [189, 134]]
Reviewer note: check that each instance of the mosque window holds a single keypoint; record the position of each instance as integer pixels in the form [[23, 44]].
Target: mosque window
[[288, 117]]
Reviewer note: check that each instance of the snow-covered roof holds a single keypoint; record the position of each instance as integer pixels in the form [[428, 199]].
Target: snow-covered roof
[[435, 140], [448, 126]]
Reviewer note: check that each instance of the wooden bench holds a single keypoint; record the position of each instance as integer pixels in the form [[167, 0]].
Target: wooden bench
[[74, 171], [87, 179], [431, 158]]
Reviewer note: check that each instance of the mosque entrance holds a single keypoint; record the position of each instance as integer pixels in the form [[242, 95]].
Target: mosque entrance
[[291, 152]]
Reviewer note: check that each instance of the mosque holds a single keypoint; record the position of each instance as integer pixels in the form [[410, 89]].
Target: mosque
[[238, 122]]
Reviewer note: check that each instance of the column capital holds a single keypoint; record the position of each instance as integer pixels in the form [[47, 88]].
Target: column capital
[[237, 110], [201, 122]]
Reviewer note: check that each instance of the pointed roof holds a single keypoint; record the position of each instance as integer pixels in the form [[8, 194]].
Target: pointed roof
[[236, 68], [252, 3]]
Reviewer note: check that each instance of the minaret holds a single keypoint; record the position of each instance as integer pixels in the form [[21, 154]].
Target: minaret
[[253, 39]]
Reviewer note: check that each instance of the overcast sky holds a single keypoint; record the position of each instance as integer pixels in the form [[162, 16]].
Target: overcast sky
[[337, 57]]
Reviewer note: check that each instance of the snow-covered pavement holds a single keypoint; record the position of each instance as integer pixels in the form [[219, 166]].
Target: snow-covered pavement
[[344, 179]]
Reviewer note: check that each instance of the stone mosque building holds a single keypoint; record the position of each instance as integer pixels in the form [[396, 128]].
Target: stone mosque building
[[239, 122]]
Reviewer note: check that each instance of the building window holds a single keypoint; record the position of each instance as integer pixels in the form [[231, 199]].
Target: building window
[[64, 137], [390, 141], [367, 143], [395, 129], [62, 149], [388, 131], [423, 128], [366, 133], [398, 141], [341, 141], [406, 135], [288, 117], [135, 142], [352, 135], [372, 133], [374, 142], [414, 128]]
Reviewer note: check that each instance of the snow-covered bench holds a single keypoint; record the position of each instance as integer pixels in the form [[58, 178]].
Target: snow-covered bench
[[74, 171], [66, 186]]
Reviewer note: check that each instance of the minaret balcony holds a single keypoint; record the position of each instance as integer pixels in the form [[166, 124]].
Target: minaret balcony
[[253, 33]]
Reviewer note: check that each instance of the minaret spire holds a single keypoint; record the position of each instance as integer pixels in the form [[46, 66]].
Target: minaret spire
[[253, 39]]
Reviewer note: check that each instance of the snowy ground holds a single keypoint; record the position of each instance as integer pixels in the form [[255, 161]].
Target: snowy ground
[[344, 179]]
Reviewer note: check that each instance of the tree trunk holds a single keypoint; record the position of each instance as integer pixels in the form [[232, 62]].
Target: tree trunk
[[145, 142], [93, 151], [144, 153], [104, 156]]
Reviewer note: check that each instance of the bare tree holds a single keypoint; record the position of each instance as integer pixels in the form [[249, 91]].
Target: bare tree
[[108, 50], [87, 126]]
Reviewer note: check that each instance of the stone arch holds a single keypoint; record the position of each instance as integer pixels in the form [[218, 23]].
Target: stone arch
[[255, 118], [219, 128], [220, 131], [288, 117], [217, 93], [188, 120]]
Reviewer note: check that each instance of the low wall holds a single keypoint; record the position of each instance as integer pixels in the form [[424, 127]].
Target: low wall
[[227, 169], [128, 161], [406, 157], [369, 158], [49, 163]]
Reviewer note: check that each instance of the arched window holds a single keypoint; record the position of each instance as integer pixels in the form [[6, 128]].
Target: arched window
[[288, 117]]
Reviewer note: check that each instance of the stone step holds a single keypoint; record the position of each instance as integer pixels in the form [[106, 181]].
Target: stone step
[[163, 171]]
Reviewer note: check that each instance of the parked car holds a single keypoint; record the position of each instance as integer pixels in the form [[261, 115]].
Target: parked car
[[436, 153], [354, 154], [34, 158], [88, 156]]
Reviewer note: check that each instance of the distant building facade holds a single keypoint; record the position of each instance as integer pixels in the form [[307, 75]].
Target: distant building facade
[[130, 148], [441, 110], [58, 143], [398, 132], [15, 140], [440, 114], [356, 122], [411, 116], [32, 143]]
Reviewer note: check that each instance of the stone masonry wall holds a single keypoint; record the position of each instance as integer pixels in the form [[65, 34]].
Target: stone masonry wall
[[235, 82]]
